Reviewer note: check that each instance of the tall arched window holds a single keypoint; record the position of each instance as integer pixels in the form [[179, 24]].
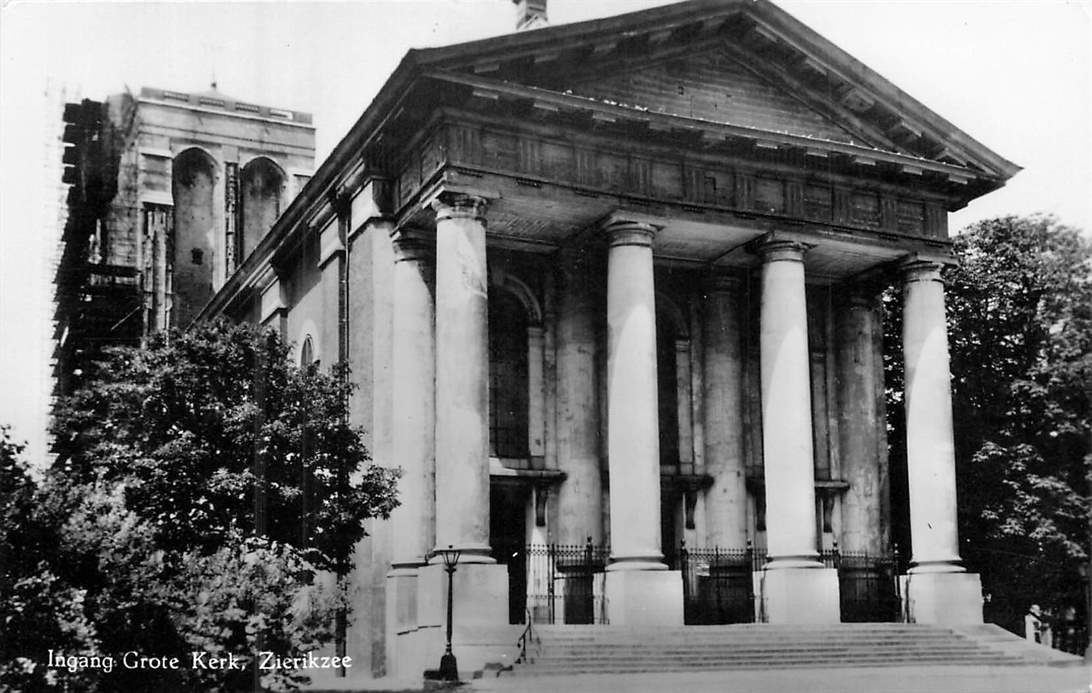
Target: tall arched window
[[262, 183], [193, 182], [508, 389], [307, 353]]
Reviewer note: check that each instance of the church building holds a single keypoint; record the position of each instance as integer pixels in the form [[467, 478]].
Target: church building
[[610, 292]]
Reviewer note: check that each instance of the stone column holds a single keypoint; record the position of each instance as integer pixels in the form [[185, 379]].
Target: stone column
[[580, 495], [726, 499], [798, 588], [412, 419], [939, 589], [462, 378], [636, 594], [413, 399], [861, 421], [462, 431]]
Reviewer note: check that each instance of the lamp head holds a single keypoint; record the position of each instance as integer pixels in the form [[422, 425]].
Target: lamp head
[[450, 556]]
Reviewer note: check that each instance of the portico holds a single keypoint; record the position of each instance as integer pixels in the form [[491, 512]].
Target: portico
[[769, 269]]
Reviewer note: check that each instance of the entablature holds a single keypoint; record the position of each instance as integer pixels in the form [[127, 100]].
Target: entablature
[[553, 181]]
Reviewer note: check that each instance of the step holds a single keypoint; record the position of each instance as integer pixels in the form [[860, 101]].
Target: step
[[605, 649], [778, 664]]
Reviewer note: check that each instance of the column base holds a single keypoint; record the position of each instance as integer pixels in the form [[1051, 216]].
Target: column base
[[800, 595], [644, 598], [481, 595], [944, 598], [401, 611]]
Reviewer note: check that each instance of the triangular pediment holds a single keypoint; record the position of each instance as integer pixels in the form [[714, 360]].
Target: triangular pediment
[[742, 63], [717, 85]]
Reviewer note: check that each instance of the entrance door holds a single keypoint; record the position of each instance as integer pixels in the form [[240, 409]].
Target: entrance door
[[508, 538]]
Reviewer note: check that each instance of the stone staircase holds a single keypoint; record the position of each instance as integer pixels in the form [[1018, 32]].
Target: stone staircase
[[606, 649]]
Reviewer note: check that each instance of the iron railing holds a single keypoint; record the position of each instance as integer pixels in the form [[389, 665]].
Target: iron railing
[[564, 583], [527, 637], [728, 585], [718, 585]]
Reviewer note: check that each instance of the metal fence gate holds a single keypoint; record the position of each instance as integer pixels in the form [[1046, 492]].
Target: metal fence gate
[[718, 585], [869, 587], [565, 583]]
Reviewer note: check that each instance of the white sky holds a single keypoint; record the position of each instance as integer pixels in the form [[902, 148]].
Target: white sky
[[1016, 75]]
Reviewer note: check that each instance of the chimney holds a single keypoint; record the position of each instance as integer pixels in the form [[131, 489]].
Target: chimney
[[530, 14]]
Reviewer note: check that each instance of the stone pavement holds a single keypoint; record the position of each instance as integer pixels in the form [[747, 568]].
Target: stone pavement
[[901, 679]]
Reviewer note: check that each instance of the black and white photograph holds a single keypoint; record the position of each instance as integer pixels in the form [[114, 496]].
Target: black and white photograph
[[540, 346]]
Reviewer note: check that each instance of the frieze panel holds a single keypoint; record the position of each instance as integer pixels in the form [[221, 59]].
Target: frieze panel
[[530, 155], [700, 182], [719, 188], [409, 180], [745, 191], [865, 210], [640, 175], [888, 212], [842, 211], [769, 195], [818, 202], [500, 151], [586, 171], [693, 180], [936, 221], [612, 171], [910, 217], [466, 144], [556, 161], [432, 156], [667, 180], [794, 198]]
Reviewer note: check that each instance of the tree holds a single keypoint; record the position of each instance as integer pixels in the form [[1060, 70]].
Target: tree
[[202, 485], [1020, 327], [38, 609], [213, 432]]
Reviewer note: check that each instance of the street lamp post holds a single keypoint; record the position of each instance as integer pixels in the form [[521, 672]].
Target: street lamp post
[[449, 668]]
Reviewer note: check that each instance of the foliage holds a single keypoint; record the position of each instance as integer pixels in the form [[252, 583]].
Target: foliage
[[196, 420], [249, 596], [1020, 314], [144, 536], [38, 609]]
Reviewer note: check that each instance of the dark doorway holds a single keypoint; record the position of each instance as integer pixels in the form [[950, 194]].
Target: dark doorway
[[508, 537], [670, 499]]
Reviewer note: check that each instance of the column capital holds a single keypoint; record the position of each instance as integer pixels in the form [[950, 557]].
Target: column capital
[[722, 283], [411, 244], [774, 249], [624, 232], [916, 268], [450, 205]]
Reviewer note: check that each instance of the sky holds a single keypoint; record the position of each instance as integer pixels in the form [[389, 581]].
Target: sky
[[1014, 74]]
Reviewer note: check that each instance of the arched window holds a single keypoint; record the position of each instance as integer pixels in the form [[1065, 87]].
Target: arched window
[[307, 353], [192, 183], [508, 388], [262, 184]]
